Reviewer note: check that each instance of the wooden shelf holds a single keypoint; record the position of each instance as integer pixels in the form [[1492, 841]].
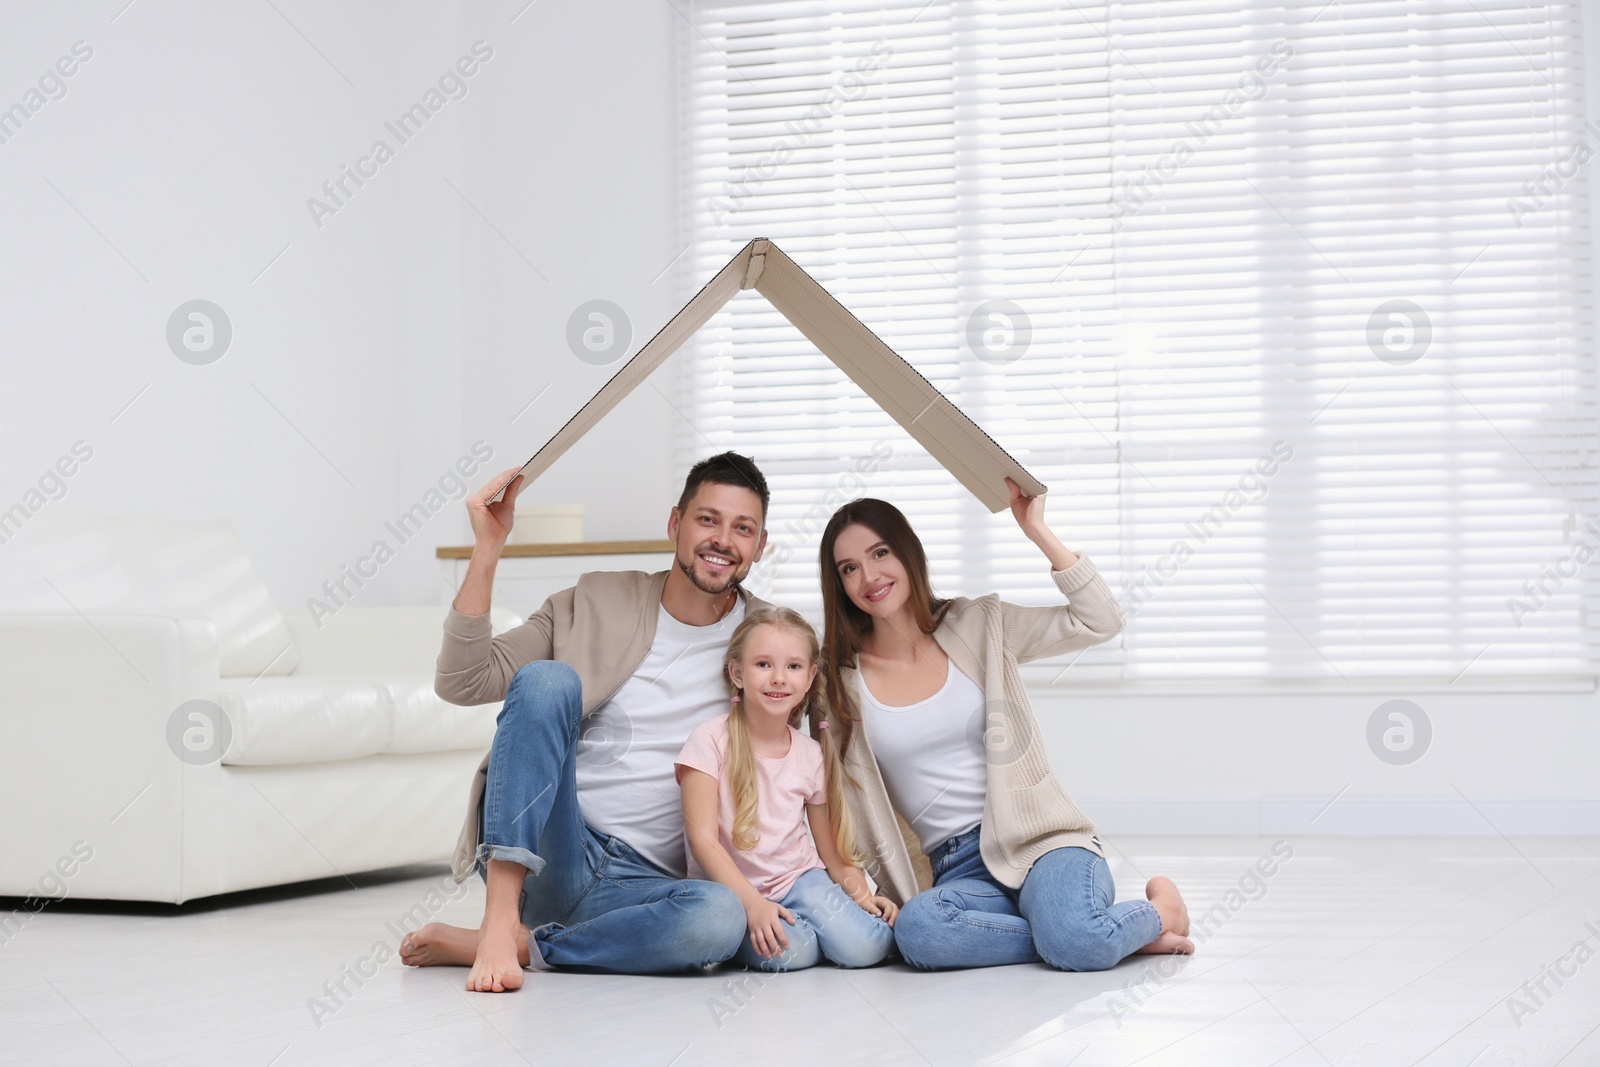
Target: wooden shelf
[[579, 548]]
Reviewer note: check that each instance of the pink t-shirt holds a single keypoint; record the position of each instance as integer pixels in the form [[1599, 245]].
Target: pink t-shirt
[[783, 851]]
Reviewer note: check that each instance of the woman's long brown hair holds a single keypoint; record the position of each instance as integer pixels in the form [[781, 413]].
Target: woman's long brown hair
[[846, 626]]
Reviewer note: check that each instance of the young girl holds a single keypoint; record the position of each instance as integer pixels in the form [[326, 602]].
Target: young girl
[[752, 783]]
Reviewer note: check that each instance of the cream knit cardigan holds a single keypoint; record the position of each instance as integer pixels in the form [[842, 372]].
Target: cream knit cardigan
[[1026, 812]]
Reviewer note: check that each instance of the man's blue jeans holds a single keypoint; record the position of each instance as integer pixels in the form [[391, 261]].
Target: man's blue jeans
[[1063, 914], [592, 902], [828, 925]]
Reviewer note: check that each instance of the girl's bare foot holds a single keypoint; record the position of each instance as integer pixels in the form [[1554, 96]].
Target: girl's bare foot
[[439, 944], [1163, 893]]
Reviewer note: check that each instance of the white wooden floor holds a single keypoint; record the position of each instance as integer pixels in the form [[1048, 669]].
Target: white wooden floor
[[1354, 951]]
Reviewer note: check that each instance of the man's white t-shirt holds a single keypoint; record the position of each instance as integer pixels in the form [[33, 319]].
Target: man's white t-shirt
[[626, 784]]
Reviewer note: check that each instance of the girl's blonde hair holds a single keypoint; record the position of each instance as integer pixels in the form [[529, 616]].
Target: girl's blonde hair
[[740, 757]]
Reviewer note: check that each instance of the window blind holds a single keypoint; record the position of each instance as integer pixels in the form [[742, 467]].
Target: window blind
[[1290, 306]]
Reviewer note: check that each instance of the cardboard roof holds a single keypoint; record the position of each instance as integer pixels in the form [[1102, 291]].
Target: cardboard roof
[[957, 442]]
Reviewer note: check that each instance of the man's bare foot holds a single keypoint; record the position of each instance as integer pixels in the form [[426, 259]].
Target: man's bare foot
[[439, 944], [1167, 944], [1163, 893], [497, 964]]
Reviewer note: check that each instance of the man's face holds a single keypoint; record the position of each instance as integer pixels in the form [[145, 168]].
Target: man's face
[[719, 535]]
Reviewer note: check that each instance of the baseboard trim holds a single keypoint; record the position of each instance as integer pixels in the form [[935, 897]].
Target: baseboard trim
[[1346, 816]]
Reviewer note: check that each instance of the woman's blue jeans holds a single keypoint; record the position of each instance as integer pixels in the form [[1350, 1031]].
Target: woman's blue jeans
[[591, 901], [1064, 913], [828, 925]]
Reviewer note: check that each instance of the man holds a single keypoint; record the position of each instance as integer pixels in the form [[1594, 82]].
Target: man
[[574, 818]]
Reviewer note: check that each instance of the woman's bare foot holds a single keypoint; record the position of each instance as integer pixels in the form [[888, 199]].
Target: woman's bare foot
[[439, 944], [1167, 944], [1163, 893]]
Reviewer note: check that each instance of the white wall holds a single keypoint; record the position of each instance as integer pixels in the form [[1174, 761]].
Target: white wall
[[410, 325], [378, 347], [578, 170], [1299, 764]]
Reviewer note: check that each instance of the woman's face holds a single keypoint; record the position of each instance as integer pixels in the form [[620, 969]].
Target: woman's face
[[873, 577]]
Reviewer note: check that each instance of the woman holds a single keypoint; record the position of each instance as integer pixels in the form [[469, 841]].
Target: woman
[[1018, 871]]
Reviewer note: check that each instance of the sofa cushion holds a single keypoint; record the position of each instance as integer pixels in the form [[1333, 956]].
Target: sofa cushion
[[422, 722], [303, 720], [121, 563]]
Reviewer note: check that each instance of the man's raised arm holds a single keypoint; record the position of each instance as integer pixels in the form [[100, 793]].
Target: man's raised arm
[[491, 527], [474, 666]]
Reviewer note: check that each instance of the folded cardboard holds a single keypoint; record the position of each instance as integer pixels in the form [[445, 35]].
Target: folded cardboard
[[958, 443]]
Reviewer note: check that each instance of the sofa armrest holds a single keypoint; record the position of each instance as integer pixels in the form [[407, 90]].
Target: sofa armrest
[[377, 642], [84, 713]]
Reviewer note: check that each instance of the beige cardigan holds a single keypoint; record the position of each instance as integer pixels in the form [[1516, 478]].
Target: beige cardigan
[[602, 628], [1026, 812]]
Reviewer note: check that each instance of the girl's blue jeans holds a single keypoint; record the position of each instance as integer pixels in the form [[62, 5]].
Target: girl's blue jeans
[[828, 925]]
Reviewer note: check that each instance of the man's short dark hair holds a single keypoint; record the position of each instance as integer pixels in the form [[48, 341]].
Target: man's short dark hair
[[728, 468]]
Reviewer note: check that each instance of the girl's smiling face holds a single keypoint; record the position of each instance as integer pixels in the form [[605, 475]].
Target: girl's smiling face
[[775, 672]]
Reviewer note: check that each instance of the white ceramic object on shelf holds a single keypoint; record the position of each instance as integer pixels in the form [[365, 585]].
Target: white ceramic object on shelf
[[547, 524]]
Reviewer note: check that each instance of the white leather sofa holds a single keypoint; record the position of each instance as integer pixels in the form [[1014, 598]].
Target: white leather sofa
[[339, 756]]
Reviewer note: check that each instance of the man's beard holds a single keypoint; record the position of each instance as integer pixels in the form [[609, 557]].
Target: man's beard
[[733, 581]]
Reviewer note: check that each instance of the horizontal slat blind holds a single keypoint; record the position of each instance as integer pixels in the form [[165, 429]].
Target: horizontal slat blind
[[1311, 371]]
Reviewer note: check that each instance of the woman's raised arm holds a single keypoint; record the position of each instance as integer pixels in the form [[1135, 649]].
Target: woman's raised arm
[[1029, 513], [1092, 616]]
